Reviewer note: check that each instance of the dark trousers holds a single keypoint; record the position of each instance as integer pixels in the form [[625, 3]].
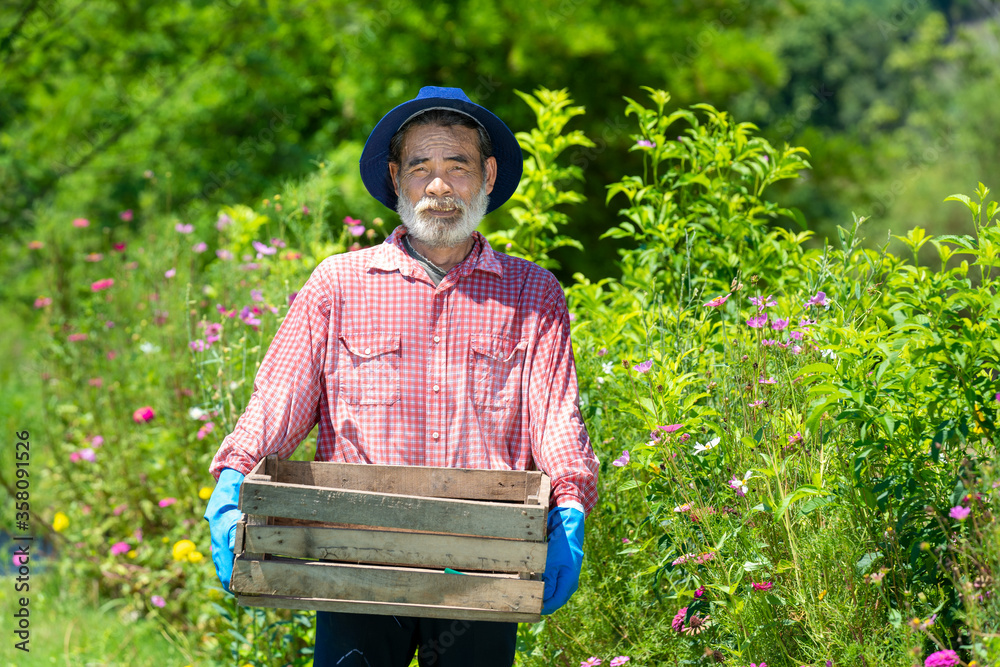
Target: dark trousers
[[363, 640]]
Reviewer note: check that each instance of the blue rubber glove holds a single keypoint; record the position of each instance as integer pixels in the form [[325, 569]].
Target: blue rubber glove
[[564, 558], [222, 515]]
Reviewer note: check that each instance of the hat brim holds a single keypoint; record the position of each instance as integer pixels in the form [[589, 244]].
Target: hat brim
[[375, 156]]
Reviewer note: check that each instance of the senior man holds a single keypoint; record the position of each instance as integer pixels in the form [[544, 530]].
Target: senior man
[[431, 349]]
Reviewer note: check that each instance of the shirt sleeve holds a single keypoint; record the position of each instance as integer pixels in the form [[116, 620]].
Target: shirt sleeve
[[560, 444], [290, 382]]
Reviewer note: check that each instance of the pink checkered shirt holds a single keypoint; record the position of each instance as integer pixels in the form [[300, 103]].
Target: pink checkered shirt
[[475, 373]]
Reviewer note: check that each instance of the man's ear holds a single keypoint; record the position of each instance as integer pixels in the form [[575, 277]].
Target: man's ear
[[491, 173], [393, 172]]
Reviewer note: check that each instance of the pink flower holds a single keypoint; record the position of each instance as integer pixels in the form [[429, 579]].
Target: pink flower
[[603, 351], [682, 559], [118, 247], [117, 511], [291, 297], [20, 559], [622, 460], [699, 592], [769, 380], [170, 273], [224, 254], [757, 404], [198, 345], [717, 301], [119, 548], [591, 662], [97, 441], [763, 302], [644, 367], [143, 415], [88, 455], [678, 623], [779, 325], [126, 215], [74, 457], [35, 245], [625, 540], [81, 223], [351, 221], [93, 257], [681, 509], [263, 249], [223, 222], [200, 247], [167, 502], [356, 230], [181, 228], [76, 338], [644, 143], [305, 210], [959, 512], [795, 439], [704, 557], [207, 428], [137, 533], [670, 428], [757, 321], [620, 660], [256, 295], [99, 285], [946, 658], [158, 601], [43, 302], [762, 586]]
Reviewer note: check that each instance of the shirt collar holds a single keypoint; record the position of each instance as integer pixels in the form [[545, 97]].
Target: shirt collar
[[391, 256]]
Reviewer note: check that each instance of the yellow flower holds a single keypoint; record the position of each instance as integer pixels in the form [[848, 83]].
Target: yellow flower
[[195, 557], [131, 553], [205, 492], [182, 549], [60, 522], [822, 594]]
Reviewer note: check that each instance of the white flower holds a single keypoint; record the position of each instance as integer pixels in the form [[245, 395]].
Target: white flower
[[149, 348], [607, 367], [742, 483], [196, 413], [711, 444], [828, 354]]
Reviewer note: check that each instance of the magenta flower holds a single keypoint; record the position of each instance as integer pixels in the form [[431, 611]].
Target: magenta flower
[[946, 658], [620, 660], [960, 513], [779, 325], [74, 457], [699, 592], [143, 415], [119, 548], [818, 300], [591, 662], [717, 301], [167, 502], [158, 601], [80, 223], [678, 623], [622, 460], [20, 559], [99, 285], [644, 367], [126, 215], [291, 297], [119, 247], [181, 228], [43, 302], [762, 586], [351, 221], [758, 321], [200, 247], [198, 345], [670, 428], [248, 316]]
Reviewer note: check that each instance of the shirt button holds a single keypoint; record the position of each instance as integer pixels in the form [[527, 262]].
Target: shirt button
[[368, 350], [436, 388], [434, 435], [437, 339]]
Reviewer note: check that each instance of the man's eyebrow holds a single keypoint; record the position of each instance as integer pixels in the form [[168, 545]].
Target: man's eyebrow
[[414, 161]]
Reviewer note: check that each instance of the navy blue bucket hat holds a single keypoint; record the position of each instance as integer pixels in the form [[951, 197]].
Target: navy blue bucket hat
[[375, 156]]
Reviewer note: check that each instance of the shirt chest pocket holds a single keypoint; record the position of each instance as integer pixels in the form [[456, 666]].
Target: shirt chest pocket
[[496, 364], [369, 368]]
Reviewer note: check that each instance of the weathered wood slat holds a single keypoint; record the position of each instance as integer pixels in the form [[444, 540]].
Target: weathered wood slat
[[397, 548], [385, 608], [338, 581], [295, 501], [489, 485]]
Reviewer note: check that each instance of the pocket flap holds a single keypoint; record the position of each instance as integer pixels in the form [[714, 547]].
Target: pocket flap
[[370, 345], [497, 347]]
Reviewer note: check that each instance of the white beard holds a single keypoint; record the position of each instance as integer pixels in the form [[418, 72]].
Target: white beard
[[435, 232]]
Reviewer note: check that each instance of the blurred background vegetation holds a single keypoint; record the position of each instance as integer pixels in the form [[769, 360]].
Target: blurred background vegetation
[[219, 102]]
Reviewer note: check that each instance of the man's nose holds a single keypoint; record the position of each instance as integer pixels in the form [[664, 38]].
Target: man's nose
[[438, 188]]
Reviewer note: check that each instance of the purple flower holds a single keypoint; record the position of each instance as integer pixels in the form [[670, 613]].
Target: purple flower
[[263, 249], [947, 658], [796, 335], [763, 302], [644, 367], [622, 460], [645, 143], [758, 321], [181, 228], [818, 300], [158, 601], [779, 325], [960, 513], [256, 295], [248, 317]]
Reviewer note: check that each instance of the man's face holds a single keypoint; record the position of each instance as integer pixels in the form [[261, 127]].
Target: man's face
[[441, 185]]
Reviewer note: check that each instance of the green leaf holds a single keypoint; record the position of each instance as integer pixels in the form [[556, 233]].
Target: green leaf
[[803, 491]]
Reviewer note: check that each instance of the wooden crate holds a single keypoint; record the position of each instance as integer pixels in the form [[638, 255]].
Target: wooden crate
[[412, 541]]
